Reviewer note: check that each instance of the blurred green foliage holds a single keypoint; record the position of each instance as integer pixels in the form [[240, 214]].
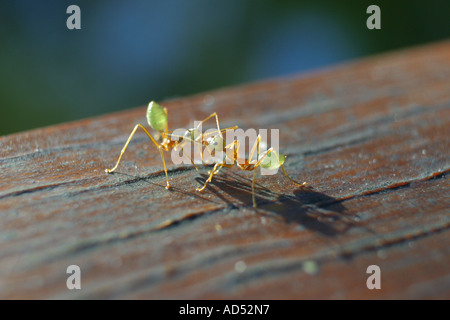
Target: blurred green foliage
[[130, 52]]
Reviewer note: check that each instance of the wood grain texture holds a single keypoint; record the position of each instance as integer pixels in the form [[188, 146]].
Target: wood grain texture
[[371, 137]]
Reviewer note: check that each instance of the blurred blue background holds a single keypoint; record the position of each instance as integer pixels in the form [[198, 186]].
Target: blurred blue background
[[130, 52]]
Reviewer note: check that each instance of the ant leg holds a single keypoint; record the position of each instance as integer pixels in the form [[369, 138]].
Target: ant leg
[[126, 145], [165, 168], [285, 173], [209, 117], [184, 154], [209, 179], [295, 182], [257, 143], [221, 131], [214, 171], [206, 134], [235, 151], [253, 189]]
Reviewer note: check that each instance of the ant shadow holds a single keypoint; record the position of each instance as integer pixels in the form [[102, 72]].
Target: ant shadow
[[311, 209], [147, 179]]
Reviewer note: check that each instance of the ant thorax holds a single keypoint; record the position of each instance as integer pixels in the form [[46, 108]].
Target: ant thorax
[[169, 141]]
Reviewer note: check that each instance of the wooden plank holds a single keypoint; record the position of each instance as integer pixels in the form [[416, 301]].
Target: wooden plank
[[370, 137]]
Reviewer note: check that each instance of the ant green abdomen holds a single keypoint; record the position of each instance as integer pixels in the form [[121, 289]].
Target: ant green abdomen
[[156, 116], [271, 161]]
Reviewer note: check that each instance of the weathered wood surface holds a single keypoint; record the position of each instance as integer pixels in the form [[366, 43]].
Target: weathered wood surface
[[371, 137]]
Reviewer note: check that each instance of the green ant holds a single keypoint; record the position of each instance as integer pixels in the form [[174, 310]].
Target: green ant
[[157, 119]]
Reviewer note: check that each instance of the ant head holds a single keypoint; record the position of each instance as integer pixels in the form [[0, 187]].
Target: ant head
[[156, 117], [215, 142]]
